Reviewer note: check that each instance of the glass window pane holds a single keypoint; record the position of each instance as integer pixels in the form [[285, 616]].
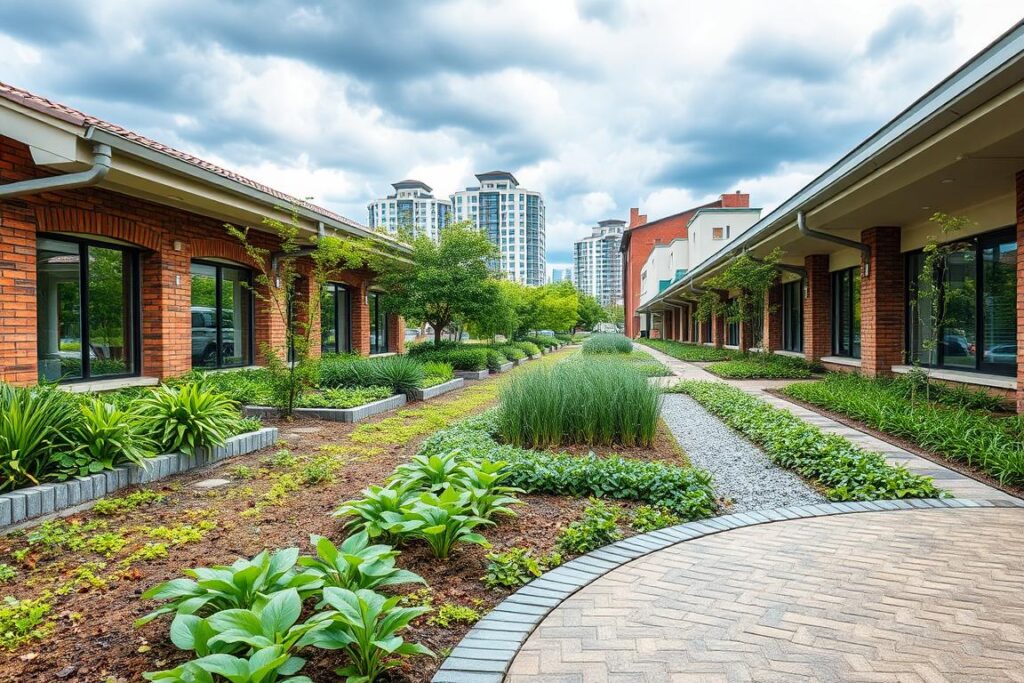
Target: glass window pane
[[855, 312], [344, 325], [234, 317], [58, 301], [959, 333], [920, 315], [110, 312], [999, 275], [328, 319], [204, 316], [373, 321]]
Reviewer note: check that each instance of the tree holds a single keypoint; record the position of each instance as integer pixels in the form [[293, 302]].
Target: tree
[[276, 284], [444, 282], [615, 314], [502, 317], [589, 312], [557, 306], [750, 279]]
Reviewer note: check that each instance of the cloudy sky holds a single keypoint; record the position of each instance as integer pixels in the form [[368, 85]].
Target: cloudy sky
[[601, 105]]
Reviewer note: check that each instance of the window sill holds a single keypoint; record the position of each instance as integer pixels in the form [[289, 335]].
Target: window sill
[[733, 347], [110, 384], [977, 378], [841, 360], [790, 354], [383, 355], [220, 370]]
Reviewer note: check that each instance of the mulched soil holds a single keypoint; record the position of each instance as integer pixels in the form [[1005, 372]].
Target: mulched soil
[[93, 637], [962, 468]]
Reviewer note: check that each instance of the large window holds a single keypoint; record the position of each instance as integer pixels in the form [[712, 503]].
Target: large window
[[793, 316], [221, 316], [335, 323], [846, 313], [378, 324], [978, 290], [87, 309], [732, 333]]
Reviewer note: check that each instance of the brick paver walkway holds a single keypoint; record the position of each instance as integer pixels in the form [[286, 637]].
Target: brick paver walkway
[[910, 595]]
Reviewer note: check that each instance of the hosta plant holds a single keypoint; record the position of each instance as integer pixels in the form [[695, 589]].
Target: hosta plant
[[487, 496], [366, 625], [440, 521], [355, 564], [430, 472], [598, 527], [268, 665], [245, 584], [189, 417], [368, 512]]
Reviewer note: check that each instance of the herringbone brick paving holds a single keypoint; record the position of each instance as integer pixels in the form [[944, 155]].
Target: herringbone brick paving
[[908, 596]]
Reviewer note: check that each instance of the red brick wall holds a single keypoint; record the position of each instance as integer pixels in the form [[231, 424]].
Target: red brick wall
[[718, 330], [818, 308], [396, 334], [168, 240], [1020, 292], [882, 302]]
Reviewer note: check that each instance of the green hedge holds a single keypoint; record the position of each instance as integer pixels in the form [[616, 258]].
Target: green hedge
[[845, 470], [993, 444]]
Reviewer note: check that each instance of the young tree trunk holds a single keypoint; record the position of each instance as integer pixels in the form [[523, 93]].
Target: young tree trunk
[[437, 334]]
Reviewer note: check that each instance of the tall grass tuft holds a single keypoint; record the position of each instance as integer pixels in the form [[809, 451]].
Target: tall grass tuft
[[607, 343], [589, 401]]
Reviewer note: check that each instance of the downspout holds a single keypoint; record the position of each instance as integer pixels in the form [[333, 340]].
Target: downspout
[[785, 267], [801, 225], [98, 171]]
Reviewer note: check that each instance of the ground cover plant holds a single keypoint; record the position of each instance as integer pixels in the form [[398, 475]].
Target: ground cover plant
[[469, 357], [644, 363], [950, 425], [846, 471], [694, 353], [607, 343], [589, 400], [762, 366]]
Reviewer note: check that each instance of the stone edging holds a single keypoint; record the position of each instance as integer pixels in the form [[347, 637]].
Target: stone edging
[[437, 389], [334, 414], [472, 374], [45, 499], [487, 650]]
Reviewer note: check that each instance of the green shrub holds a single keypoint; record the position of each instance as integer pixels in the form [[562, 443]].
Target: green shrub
[[440, 521], [694, 353], [607, 343], [646, 518], [247, 425], [598, 527], [686, 491], [401, 374], [512, 353], [754, 369], [995, 445], [247, 386], [587, 401], [437, 372], [847, 471], [36, 424], [342, 370], [461, 358], [529, 348], [542, 342], [343, 397], [517, 566], [272, 664], [106, 437], [189, 416]]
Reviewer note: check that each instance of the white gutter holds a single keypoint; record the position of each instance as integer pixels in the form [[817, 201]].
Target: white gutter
[[101, 159]]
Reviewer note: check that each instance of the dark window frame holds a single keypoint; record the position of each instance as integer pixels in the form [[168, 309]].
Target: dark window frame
[[854, 284], [218, 291], [793, 339], [981, 242], [381, 324], [334, 289], [133, 258]]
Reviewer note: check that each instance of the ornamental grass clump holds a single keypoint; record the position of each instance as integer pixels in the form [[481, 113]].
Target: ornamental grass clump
[[590, 401], [607, 343]]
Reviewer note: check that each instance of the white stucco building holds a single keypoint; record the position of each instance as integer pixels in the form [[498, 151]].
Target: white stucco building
[[597, 262], [512, 218], [411, 206]]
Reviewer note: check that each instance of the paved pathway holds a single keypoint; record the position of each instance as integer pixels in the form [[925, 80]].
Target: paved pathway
[[958, 484], [911, 595]]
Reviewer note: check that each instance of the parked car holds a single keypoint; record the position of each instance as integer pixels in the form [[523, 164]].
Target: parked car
[[204, 336], [411, 333], [545, 333], [1001, 353]]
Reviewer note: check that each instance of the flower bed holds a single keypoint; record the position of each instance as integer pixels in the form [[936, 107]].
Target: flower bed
[[846, 471], [950, 425], [761, 366]]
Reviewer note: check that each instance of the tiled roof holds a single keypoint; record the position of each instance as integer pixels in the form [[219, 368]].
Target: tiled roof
[[78, 118]]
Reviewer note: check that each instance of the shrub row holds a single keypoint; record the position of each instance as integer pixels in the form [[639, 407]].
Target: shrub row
[[995, 445], [847, 471], [760, 366], [686, 491], [607, 343], [694, 353]]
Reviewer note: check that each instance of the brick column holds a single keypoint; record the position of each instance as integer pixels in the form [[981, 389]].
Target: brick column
[[1020, 292], [670, 323], [772, 334], [360, 320], [882, 302], [166, 310], [270, 327], [746, 336], [18, 352], [817, 308], [396, 333], [718, 330]]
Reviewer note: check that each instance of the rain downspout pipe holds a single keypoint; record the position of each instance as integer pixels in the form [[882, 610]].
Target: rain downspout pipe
[[98, 171], [796, 270], [801, 225]]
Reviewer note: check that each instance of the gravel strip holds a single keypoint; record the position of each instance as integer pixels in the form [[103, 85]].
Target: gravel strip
[[741, 471]]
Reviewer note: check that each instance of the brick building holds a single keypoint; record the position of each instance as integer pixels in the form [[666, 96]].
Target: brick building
[[852, 241], [641, 237], [116, 267]]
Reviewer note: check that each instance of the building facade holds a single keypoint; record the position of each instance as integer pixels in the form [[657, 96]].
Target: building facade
[[597, 262], [117, 268], [412, 207], [560, 274], [853, 244], [641, 237], [513, 220]]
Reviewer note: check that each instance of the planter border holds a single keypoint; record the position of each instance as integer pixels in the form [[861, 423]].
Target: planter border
[[26, 504], [505, 367], [437, 389], [472, 374], [334, 414], [486, 652]]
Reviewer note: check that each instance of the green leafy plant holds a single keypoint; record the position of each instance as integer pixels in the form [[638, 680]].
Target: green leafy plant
[[369, 512], [529, 348], [7, 573], [607, 343], [35, 428], [440, 521], [693, 353], [106, 436], [244, 584], [268, 665], [451, 613], [646, 518], [488, 497], [597, 527], [343, 397], [189, 417], [133, 501], [429, 472], [517, 566], [22, 621], [366, 626], [355, 564]]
